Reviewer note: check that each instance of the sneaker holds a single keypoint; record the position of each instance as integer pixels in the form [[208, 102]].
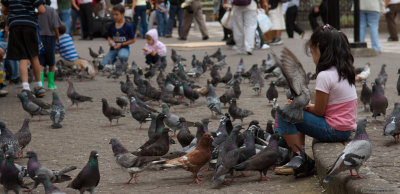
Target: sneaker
[[3, 93], [39, 92], [265, 46], [205, 37], [275, 41], [390, 39]]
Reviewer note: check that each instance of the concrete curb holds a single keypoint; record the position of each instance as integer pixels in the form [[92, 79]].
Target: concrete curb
[[325, 154]]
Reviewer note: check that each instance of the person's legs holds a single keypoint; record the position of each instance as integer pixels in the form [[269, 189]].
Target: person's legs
[[312, 18], [187, 22], [12, 66], [66, 19], [238, 29], [74, 17], [373, 24], [89, 18], [135, 21], [152, 17], [84, 20], [180, 19], [391, 23], [289, 19], [363, 25], [323, 11], [250, 26], [171, 20], [198, 16], [109, 58], [160, 23], [143, 21], [150, 59], [296, 28], [123, 54]]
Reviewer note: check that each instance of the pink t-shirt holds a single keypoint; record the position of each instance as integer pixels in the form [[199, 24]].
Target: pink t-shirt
[[341, 110]]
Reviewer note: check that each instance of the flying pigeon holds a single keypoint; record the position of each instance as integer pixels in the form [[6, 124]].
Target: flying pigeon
[[89, 177], [354, 154], [23, 136], [75, 97], [57, 112], [111, 112]]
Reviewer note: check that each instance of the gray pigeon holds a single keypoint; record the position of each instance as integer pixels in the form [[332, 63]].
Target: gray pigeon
[[122, 102], [28, 94], [23, 136], [11, 178], [382, 76], [49, 188], [57, 112], [75, 97], [365, 96], [30, 107], [172, 121], [241, 66], [238, 113], [354, 154], [111, 112], [9, 139], [392, 126], [379, 102], [213, 102], [294, 73]]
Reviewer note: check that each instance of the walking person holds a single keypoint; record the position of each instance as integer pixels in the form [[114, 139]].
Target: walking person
[[162, 17], [139, 10], [220, 11], [370, 11], [193, 10], [86, 13], [64, 12], [290, 19], [394, 9], [320, 8], [74, 17], [277, 19], [175, 10]]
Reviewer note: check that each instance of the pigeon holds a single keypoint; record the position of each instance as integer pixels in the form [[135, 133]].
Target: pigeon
[[213, 102], [49, 188], [217, 54], [202, 128], [133, 164], [159, 148], [365, 96], [111, 112], [120, 67], [382, 76], [89, 177], [9, 139], [160, 79], [139, 113], [57, 112], [398, 82], [155, 129], [122, 102], [281, 82], [263, 160], [11, 178], [294, 73], [34, 168], [190, 93], [172, 121], [220, 64], [93, 54], [30, 107], [184, 136], [75, 97], [354, 154], [194, 160], [23, 136], [271, 92], [379, 102], [28, 94], [241, 66], [215, 77], [238, 113], [101, 51], [230, 93], [151, 72], [228, 76], [364, 74], [392, 126]]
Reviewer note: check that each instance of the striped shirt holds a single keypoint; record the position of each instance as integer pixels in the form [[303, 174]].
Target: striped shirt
[[22, 12], [66, 48]]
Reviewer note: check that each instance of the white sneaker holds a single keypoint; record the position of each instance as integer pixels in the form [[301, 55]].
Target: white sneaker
[[265, 46]]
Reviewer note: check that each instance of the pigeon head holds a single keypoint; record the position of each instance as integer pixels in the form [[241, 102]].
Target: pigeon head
[[133, 99], [236, 129], [233, 101], [117, 147], [206, 139], [56, 100], [253, 122], [272, 84], [361, 133], [93, 155], [31, 154], [396, 106], [2, 125], [182, 120], [104, 101], [273, 141], [22, 98]]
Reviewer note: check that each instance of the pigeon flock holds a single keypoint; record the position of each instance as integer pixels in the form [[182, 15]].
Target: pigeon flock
[[232, 147]]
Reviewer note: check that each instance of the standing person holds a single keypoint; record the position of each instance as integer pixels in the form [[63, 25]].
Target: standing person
[[394, 9], [120, 36], [175, 10], [139, 10], [320, 8], [290, 19], [86, 13], [64, 12], [152, 15], [370, 11], [49, 22], [277, 19], [74, 17], [23, 42], [162, 17], [193, 10], [220, 11]]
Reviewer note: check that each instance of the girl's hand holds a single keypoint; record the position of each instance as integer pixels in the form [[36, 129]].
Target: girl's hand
[[153, 53], [308, 107], [144, 49]]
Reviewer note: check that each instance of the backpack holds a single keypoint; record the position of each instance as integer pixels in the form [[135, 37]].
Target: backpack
[[241, 2]]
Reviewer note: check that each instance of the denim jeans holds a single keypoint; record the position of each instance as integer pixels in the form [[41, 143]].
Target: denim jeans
[[152, 17], [140, 11], [174, 10], [65, 17], [122, 53], [12, 67], [162, 20], [74, 17], [312, 126], [370, 19]]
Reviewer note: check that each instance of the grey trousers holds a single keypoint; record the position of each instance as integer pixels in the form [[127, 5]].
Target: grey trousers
[[188, 19]]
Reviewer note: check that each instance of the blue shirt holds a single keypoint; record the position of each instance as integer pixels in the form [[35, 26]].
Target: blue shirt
[[22, 12], [66, 48], [120, 35]]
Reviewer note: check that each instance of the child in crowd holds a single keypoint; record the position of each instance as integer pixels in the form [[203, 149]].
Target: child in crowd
[[49, 22], [3, 48], [334, 113], [154, 49], [120, 36], [162, 17], [23, 39]]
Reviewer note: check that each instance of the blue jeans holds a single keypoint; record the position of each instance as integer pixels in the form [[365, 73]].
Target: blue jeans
[[65, 16], [140, 11], [370, 19], [162, 20], [12, 67], [312, 126], [174, 10], [122, 53], [74, 16]]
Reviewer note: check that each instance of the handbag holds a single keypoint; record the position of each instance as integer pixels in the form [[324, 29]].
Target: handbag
[[226, 19], [263, 21], [241, 2]]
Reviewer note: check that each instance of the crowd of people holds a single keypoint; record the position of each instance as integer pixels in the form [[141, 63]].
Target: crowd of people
[[52, 30]]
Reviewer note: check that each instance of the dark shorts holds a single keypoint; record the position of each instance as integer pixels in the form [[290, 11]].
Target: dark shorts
[[47, 57], [22, 43]]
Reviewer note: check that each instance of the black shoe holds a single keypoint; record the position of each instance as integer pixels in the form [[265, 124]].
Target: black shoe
[[205, 37], [225, 38], [181, 38], [390, 39], [89, 38], [249, 53]]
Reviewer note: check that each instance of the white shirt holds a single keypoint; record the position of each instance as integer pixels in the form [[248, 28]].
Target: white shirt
[[84, 1], [394, 1]]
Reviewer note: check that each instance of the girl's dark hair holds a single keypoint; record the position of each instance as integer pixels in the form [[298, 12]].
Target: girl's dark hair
[[119, 8], [62, 29], [335, 51]]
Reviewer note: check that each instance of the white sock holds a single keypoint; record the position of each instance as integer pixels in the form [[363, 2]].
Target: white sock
[[39, 84], [25, 86]]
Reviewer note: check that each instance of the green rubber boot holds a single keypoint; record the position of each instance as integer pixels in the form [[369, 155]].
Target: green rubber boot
[[50, 80], [42, 78]]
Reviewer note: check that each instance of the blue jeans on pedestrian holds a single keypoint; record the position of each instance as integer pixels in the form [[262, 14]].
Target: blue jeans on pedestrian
[[74, 16], [140, 11], [174, 10], [65, 16], [162, 20], [12, 67], [122, 53], [313, 126], [370, 19]]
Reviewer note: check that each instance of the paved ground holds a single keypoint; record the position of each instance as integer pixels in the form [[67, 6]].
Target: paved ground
[[86, 129]]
